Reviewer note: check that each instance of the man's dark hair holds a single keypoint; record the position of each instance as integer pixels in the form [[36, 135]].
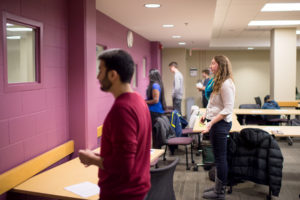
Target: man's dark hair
[[267, 98], [120, 61], [173, 63], [205, 71]]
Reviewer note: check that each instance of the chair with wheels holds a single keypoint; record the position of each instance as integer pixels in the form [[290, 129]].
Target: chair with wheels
[[162, 183]]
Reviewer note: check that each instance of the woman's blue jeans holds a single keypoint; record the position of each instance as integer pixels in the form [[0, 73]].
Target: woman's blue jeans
[[218, 137]]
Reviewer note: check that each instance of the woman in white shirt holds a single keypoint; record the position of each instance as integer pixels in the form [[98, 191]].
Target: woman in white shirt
[[221, 94]]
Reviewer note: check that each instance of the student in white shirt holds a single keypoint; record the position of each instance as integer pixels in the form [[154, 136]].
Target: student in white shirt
[[221, 93]]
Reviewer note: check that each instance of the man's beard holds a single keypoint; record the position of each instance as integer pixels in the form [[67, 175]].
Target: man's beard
[[105, 84]]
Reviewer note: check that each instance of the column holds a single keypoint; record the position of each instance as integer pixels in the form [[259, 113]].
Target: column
[[283, 64]]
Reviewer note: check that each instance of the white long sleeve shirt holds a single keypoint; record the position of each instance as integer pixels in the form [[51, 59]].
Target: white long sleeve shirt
[[223, 102]]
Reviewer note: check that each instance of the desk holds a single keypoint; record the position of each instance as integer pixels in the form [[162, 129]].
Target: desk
[[236, 127], [266, 112], [286, 131], [52, 182]]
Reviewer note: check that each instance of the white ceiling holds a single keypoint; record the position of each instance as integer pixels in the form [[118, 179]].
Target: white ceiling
[[203, 24]]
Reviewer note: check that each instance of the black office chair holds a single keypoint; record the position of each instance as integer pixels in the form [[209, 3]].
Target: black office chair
[[162, 183], [258, 101], [250, 119]]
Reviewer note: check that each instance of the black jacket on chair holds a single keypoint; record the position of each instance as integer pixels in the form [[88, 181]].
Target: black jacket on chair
[[254, 155], [161, 131]]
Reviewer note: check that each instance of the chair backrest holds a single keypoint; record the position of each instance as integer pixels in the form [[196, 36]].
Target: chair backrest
[[258, 101], [249, 106], [162, 183]]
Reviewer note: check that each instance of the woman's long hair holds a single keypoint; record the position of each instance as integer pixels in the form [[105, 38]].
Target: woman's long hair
[[154, 77], [224, 72]]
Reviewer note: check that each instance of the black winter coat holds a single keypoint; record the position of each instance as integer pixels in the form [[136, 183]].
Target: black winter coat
[[254, 155]]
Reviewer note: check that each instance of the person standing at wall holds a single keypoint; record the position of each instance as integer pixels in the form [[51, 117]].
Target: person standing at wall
[[177, 92], [205, 76], [155, 95], [124, 160], [221, 94]]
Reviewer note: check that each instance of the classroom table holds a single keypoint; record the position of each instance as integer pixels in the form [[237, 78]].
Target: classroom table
[[278, 131], [51, 183], [266, 112], [198, 127]]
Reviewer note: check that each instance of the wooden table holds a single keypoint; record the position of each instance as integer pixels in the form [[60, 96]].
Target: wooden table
[[266, 112], [52, 182], [278, 131], [198, 127]]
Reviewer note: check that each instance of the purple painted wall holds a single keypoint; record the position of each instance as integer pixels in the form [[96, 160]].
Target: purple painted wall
[[156, 55], [112, 34], [32, 122]]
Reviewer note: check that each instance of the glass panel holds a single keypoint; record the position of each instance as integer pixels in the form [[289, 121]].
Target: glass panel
[[21, 62]]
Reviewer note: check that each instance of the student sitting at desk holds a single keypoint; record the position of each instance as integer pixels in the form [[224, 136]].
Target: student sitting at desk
[[124, 160], [270, 104]]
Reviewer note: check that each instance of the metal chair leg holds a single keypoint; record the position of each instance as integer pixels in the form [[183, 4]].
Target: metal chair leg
[[187, 159], [192, 153], [165, 152]]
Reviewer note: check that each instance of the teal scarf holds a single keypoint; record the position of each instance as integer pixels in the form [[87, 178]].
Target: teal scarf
[[209, 88]]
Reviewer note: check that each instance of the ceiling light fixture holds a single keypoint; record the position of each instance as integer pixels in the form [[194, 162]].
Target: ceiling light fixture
[[16, 37], [152, 5], [168, 25], [19, 29], [274, 23], [275, 7], [250, 48], [182, 43], [8, 24], [176, 36]]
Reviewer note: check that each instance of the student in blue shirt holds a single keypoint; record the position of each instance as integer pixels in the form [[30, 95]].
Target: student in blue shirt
[[270, 104], [155, 95]]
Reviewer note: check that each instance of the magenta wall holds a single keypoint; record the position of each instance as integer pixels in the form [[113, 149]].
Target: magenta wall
[[112, 34], [32, 122]]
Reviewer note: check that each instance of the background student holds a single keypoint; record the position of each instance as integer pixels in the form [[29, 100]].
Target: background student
[[205, 76], [177, 92], [155, 95]]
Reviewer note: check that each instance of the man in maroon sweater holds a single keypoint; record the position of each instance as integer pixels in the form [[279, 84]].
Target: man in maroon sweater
[[124, 160]]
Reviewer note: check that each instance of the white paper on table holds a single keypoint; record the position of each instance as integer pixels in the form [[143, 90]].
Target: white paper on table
[[271, 129], [256, 111], [199, 85], [84, 189]]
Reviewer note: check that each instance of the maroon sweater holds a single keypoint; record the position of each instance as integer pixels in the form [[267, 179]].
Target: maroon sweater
[[125, 148]]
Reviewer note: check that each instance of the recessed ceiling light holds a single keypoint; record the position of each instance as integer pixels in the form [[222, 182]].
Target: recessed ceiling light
[[168, 25], [152, 5], [274, 23], [17, 37], [298, 32], [19, 29], [250, 48], [176, 36], [181, 43], [273, 7]]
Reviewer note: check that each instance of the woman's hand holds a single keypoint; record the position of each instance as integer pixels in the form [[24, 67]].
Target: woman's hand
[[208, 127], [202, 119]]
